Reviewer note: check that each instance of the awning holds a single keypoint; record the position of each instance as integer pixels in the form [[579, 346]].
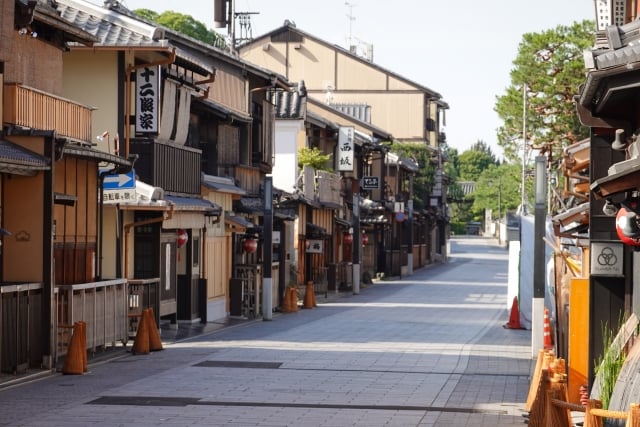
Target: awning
[[343, 222], [17, 160], [368, 205], [238, 221], [225, 112], [572, 221], [194, 204], [374, 219], [90, 153], [222, 184], [622, 176], [249, 205]]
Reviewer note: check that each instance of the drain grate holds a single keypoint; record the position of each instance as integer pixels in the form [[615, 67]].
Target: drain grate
[[186, 401], [238, 364]]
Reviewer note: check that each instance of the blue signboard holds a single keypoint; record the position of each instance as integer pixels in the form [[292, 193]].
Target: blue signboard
[[123, 181]]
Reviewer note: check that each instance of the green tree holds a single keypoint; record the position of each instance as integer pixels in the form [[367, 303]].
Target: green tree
[[473, 161], [547, 71], [498, 189], [315, 158], [184, 24]]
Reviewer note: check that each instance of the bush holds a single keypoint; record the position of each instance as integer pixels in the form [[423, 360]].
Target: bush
[[458, 228]]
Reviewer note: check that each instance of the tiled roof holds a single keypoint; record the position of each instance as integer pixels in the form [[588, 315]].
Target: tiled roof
[[109, 27], [17, 160], [222, 184], [193, 204], [361, 112], [289, 105]]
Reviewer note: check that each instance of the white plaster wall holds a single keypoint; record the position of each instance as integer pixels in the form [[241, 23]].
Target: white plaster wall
[[285, 170]]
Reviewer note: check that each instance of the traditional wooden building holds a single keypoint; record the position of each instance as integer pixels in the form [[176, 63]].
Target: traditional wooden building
[[357, 87], [50, 169]]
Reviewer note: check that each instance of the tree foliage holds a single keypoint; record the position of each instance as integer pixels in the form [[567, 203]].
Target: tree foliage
[[472, 162], [184, 24], [547, 71], [498, 189], [313, 157]]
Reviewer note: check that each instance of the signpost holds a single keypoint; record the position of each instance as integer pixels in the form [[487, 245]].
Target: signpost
[[119, 187], [370, 182]]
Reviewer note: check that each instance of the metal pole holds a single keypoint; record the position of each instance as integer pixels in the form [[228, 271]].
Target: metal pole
[[499, 199], [539, 263], [267, 250], [524, 149], [357, 237]]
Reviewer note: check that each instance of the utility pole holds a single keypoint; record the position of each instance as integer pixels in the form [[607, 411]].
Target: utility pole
[[539, 264], [523, 192], [267, 250]]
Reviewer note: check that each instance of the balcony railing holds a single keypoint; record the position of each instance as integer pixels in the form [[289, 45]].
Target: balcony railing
[[321, 186], [32, 108], [169, 166]]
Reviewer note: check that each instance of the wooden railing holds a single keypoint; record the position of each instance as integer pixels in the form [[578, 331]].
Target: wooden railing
[[170, 166], [32, 108], [21, 326], [102, 305]]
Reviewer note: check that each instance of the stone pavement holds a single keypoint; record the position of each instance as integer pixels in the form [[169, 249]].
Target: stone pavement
[[425, 350]]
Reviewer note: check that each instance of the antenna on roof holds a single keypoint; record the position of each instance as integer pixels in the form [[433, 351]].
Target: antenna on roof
[[225, 16], [351, 19]]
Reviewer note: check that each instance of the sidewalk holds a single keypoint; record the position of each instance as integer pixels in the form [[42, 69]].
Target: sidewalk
[[169, 334]]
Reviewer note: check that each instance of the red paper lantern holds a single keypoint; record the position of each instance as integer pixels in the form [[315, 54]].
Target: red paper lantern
[[183, 238], [365, 238], [250, 245], [348, 238], [627, 227]]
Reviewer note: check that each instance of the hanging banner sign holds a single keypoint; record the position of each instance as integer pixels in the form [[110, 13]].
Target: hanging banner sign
[[147, 99], [345, 148]]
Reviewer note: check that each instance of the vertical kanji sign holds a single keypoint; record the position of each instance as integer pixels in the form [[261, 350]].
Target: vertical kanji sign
[[147, 99], [345, 148]]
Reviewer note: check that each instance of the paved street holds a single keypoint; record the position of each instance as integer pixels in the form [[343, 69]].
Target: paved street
[[425, 350]]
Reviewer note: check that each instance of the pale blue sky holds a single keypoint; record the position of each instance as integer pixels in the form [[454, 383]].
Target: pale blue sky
[[461, 49]]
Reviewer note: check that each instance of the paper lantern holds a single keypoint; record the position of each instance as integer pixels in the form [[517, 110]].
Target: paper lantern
[[183, 238], [348, 238], [627, 227], [365, 238], [250, 245]]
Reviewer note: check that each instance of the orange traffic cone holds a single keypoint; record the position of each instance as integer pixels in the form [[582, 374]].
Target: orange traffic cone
[[83, 329], [313, 295], [141, 342], [546, 332], [155, 343], [293, 300], [308, 296], [284, 305], [74, 361], [514, 317]]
